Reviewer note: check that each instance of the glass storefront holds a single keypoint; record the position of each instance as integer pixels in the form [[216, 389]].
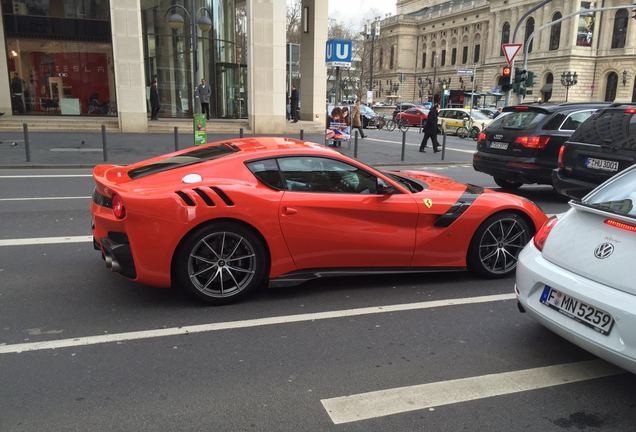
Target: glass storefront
[[221, 56], [60, 57]]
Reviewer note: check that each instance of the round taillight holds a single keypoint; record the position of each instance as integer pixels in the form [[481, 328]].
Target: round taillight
[[542, 235], [118, 207]]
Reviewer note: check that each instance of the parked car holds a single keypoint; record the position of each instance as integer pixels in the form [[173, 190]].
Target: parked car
[[371, 118], [402, 106], [412, 116], [522, 146], [454, 120], [602, 146], [221, 220], [576, 277]]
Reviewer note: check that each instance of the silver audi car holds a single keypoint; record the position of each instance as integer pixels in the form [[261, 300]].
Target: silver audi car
[[578, 275]]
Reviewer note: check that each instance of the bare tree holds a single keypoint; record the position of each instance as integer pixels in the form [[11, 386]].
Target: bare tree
[[294, 8]]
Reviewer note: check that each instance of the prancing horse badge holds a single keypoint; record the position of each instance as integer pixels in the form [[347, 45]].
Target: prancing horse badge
[[428, 202]]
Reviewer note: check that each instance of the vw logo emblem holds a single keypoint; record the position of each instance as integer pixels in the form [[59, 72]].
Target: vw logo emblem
[[604, 250]]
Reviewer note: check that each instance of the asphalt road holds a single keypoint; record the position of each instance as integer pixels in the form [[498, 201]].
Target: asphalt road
[[247, 373]]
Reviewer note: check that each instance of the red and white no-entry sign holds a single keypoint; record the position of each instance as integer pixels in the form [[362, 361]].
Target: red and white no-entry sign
[[510, 51]]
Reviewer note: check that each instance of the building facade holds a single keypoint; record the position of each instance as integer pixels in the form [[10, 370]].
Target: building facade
[[99, 57], [421, 48]]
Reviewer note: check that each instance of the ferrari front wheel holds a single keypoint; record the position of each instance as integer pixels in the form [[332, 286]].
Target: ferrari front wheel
[[496, 245], [221, 263]]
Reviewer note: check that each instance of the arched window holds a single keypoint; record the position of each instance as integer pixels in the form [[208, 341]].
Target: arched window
[[381, 58], [620, 29], [424, 57], [529, 31], [443, 58], [465, 50], [476, 51], [555, 32], [546, 90], [610, 87], [505, 36], [392, 58]]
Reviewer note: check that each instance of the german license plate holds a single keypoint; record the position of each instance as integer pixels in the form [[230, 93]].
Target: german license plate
[[601, 164], [499, 145], [588, 315]]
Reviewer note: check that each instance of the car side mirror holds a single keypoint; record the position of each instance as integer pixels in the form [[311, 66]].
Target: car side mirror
[[386, 189]]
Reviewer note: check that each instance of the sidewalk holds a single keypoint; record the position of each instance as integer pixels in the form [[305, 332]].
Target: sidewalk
[[84, 149]]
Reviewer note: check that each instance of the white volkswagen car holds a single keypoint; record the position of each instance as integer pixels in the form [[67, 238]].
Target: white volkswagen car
[[578, 275]]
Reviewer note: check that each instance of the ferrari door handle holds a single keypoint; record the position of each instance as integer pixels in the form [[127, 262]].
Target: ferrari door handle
[[289, 211]]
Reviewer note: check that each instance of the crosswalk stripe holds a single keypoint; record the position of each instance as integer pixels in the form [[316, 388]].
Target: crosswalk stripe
[[382, 403], [45, 240], [45, 198], [417, 145], [257, 322]]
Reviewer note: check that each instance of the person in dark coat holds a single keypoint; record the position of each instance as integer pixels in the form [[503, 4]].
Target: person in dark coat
[[203, 92], [294, 103], [430, 130], [154, 100]]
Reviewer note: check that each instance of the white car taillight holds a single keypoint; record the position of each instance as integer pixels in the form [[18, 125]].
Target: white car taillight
[[542, 235]]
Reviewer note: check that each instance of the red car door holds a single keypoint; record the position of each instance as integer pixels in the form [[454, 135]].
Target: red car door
[[332, 217]]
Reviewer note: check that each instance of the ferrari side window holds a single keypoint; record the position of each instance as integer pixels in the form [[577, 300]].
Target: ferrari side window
[[267, 172], [323, 175]]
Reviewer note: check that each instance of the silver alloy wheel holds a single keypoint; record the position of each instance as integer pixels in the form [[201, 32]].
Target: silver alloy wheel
[[500, 245], [222, 264]]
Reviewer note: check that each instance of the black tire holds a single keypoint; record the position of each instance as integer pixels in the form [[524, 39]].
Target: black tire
[[404, 126], [495, 247], [226, 279], [462, 132], [507, 184]]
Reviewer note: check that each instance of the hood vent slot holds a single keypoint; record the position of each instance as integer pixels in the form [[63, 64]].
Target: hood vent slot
[[206, 199], [226, 199], [186, 199]]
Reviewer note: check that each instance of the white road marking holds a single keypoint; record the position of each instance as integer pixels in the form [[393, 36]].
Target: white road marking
[[257, 322], [417, 145], [382, 403], [45, 240], [44, 176], [71, 149], [45, 198]]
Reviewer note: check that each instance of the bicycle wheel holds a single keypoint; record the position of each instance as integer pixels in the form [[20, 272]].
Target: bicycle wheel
[[390, 125], [474, 133], [403, 126], [462, 132]]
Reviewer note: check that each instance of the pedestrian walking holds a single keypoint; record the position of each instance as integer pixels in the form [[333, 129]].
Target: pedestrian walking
[[356, 119], [203, 92], [430, 130], [154, 100], [294, 103]]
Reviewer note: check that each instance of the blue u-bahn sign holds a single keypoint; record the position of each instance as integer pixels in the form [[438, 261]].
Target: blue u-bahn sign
[[339, 53]]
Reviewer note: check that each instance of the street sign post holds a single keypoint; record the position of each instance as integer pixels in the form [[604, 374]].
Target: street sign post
[[465, 72], [510, 51], [200, 133]]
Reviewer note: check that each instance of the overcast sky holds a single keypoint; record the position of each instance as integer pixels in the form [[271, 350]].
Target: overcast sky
[[356, 12]]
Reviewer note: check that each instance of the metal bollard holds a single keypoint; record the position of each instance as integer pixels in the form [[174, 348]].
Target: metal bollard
[[443, 143], [241, 133], [355, 145], [27, 148], [403, 145], [302, 135], [176, 138], [104, 149]]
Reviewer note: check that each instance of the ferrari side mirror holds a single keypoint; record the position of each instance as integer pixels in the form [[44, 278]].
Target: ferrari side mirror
[[386, 189]]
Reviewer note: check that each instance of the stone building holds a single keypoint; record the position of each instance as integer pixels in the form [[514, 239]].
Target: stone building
[[429, 40], [97, 58]]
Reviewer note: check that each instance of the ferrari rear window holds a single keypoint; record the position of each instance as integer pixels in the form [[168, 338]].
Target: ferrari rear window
[[184, 159]]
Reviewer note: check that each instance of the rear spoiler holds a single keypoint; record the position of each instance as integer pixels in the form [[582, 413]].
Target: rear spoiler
[[522, 108]]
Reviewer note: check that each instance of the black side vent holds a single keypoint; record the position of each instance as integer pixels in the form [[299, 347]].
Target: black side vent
[[206, 199], [186, 199], [102, 200], [226, 199]]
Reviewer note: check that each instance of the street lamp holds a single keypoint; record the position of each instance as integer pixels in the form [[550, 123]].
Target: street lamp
[[423, 83], [568, 79], [176, 21], [372, 31]]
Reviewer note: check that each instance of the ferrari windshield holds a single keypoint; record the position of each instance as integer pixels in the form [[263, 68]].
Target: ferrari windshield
[[189, 158], [618, 196]]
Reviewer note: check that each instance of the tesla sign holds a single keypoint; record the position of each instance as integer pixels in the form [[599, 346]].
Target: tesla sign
[[339, 53]]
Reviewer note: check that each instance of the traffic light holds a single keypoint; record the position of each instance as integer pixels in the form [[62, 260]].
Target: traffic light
[[521, 75], [530, 79], [505, 78]]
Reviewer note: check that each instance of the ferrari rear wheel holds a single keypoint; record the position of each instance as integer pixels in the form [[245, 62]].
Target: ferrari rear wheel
[[495, 248], [222, 263]]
